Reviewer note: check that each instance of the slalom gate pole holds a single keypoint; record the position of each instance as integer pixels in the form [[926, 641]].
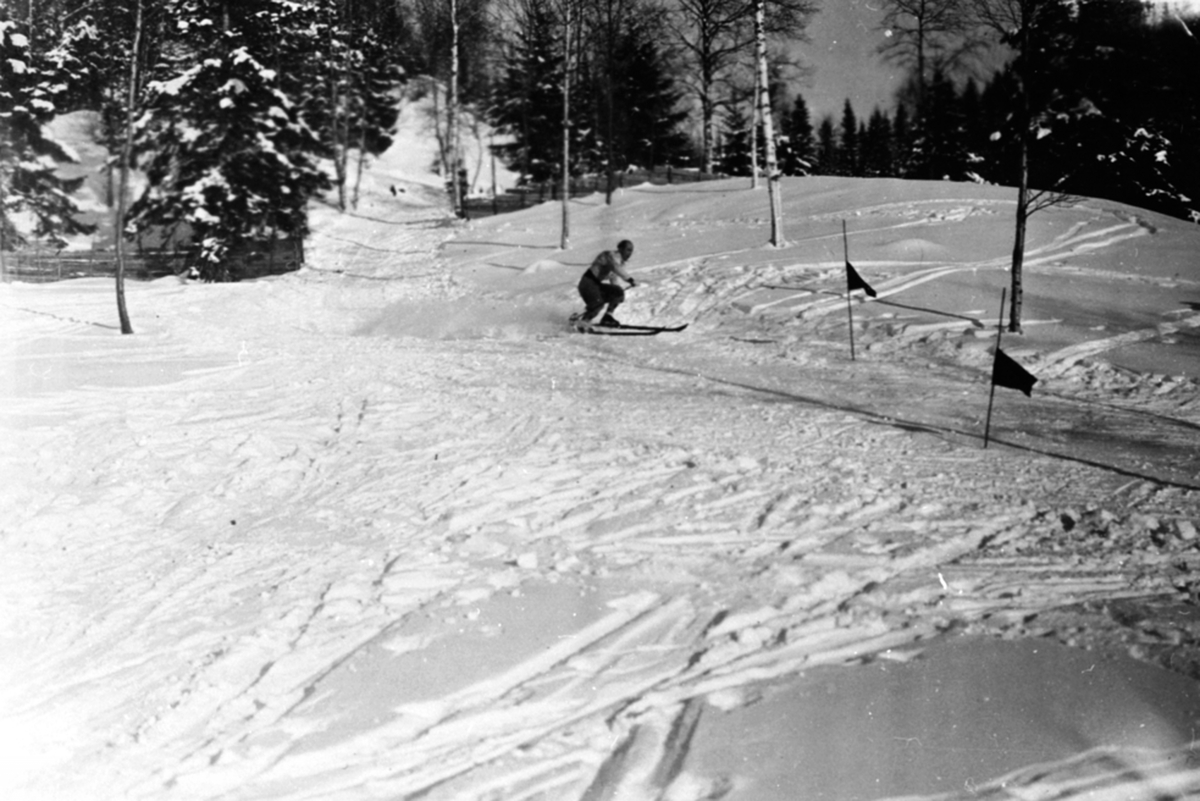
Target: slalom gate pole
[[849, 308], [987, 427]]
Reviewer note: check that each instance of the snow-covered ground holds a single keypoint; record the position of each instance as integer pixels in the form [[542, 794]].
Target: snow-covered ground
[[386, 528]]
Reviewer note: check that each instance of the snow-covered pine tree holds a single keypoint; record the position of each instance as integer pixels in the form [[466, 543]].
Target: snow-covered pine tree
[[34, 200], [101, 36], [1127, 132], [224, 144], [527, 100]]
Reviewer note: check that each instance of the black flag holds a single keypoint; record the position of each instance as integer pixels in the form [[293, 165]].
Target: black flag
[[855, 281], [1007, 373]]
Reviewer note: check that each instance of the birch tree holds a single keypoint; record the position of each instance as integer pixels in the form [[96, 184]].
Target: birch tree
[[766, 115], [570, 17], [452, 117]]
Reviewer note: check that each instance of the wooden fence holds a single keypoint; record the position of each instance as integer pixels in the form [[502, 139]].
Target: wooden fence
[[147, 264]]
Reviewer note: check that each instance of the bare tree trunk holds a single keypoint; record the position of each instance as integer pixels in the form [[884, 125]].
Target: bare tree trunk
[[611, 33], [362, 157], [709, 122], [774, 190], [452, 112], [339, 146], [921, 68], [755, 117], [109, 189], [3, 228], [708, 106], [123, 188], [492, 152], [565, 240], [1023, 132], [1018, 253], [474, 172], [443, 146]]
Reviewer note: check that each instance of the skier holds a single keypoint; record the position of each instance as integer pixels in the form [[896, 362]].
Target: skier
[[598, 288]]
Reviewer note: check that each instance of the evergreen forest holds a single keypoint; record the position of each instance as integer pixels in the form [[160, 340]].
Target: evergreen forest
[[237, 113]]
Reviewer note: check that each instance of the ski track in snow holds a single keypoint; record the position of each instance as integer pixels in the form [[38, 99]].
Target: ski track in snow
[[195, 570]]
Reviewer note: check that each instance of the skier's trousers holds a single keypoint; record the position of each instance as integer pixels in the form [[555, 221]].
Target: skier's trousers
[[596, 293]]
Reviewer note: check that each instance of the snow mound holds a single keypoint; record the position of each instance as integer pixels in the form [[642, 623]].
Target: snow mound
[[907, 248]]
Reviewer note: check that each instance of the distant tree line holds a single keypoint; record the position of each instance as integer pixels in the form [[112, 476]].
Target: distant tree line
[[626, 106]]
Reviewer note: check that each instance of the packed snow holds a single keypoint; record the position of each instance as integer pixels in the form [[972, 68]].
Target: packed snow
[[387, 528]]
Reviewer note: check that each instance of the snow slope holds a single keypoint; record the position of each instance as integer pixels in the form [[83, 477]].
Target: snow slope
[[385, 528]]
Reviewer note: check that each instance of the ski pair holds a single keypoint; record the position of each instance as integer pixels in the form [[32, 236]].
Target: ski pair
[[594, 325], [627, 330], [623, 329]]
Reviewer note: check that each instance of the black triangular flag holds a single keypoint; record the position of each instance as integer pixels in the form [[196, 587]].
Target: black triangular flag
[[1007, 373], [855, 281]]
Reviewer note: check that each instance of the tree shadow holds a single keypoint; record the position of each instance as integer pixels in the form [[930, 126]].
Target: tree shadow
[[487, 243], [68, 318], [436, 222], [683, 189]]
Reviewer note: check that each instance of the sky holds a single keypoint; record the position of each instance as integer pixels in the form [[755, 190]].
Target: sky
[[844, 37]]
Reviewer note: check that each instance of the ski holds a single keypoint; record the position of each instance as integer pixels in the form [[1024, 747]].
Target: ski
[[627, 330], [609, 331], [658, 329]]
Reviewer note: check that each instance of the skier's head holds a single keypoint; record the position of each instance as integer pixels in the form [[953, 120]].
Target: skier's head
[[625, 248]]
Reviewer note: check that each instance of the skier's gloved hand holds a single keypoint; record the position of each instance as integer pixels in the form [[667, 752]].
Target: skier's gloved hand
[[632, 282]]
